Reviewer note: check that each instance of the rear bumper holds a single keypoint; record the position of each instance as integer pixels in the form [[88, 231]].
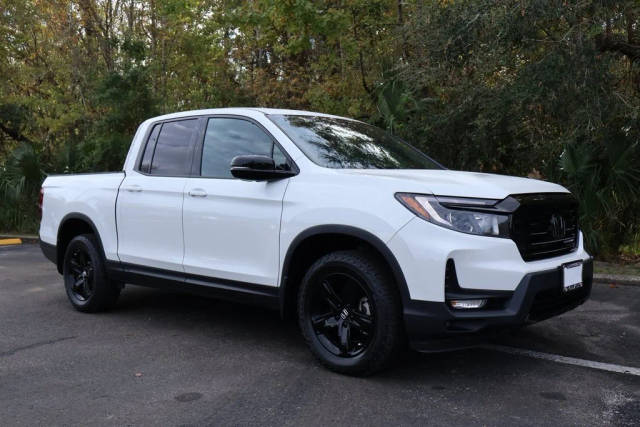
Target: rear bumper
[[433, 326]]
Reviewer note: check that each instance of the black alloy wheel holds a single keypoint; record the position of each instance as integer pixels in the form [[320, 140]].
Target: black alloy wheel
[[349, 312], [341, 314], [81, 271], [85, 279]]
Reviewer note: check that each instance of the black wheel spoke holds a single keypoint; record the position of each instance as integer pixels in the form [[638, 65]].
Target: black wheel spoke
[[324, 320], [331, 297], [80, 272], [363, 317], [75, 267], [344, 332], [362, 321], [362, 329], [340, 314], [80, 259], [86, 288]]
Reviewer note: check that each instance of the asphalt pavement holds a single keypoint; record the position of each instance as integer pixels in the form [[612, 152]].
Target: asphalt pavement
[[165, 358]]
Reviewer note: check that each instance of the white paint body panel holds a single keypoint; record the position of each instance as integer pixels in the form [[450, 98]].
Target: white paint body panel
[[150, 221], [319, 196], [242, 230], [460, 184], [233, 232], [422, 250], [92, 195]]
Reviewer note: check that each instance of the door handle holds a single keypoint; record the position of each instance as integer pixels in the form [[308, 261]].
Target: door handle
[[197, 192], [133, 188]]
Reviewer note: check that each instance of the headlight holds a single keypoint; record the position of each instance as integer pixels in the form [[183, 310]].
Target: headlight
[[460, 214]]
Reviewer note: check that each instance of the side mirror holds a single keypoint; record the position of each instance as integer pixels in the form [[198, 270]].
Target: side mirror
[[253, 167]]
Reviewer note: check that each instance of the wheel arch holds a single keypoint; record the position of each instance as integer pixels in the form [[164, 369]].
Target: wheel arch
[[300, 255], [72, 225]]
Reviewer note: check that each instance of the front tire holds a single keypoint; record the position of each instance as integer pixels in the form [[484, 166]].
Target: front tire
[[88, 288], [349, 313]]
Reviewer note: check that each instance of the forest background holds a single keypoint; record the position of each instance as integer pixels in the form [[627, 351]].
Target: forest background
[[542, 88]]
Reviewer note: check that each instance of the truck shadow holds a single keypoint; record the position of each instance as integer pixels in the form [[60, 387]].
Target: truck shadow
[[580, 334], [246, 328]]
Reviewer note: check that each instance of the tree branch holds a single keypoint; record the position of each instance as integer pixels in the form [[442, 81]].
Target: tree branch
[[619, 45]]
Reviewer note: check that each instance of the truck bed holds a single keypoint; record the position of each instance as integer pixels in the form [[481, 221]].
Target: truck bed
[[90, 195]]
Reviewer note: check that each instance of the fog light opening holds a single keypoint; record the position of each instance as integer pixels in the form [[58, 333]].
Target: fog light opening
[[467, 304]]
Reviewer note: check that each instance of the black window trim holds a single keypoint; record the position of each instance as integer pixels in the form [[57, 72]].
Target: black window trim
[[196, 154], [197, 164], [147, 135], [146, 145]]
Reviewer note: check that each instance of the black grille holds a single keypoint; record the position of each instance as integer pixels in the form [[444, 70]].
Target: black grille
[[552, 302], [545, 225]]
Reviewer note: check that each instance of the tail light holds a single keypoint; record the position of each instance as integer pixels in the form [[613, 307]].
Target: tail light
[[40, 201]]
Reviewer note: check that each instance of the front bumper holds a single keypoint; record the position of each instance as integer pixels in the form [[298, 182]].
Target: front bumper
[[433, 326]]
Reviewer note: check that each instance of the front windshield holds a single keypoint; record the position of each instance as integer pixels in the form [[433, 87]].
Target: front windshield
[[348, 144]]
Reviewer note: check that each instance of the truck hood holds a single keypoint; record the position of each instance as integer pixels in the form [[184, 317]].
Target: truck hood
[[458, 183]]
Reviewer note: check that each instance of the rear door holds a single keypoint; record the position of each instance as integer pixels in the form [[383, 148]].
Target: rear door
[[149, 206], [232, 227]]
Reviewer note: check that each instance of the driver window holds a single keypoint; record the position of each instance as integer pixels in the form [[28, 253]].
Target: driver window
[[227, 138]]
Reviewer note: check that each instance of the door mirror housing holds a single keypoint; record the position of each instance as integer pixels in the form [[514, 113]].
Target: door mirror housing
[[253, 167]]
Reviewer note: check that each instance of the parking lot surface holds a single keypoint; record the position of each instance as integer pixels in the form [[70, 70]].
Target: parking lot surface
[[164, 358]]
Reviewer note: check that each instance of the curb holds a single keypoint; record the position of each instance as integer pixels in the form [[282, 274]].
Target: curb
[[17, 239], [616, 279], [9, 242]]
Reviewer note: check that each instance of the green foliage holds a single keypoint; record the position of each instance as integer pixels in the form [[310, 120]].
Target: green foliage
[[125, 100], [394, 102], [547, 88], [606, 179], [20, 178]]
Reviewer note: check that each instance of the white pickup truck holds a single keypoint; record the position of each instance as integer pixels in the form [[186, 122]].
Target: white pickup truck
[[364, 239]]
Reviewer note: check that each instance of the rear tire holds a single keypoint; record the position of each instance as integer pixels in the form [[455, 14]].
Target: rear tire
[[88, 288], [350, 314]]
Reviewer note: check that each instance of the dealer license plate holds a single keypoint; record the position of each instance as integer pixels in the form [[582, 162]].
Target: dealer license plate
[[572, 276]]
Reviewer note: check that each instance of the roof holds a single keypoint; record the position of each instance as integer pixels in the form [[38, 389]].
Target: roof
[[241, 110]]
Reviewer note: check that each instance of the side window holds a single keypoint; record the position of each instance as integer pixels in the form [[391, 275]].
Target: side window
[[172, 156], [145, 164], [227, 138], [280, 159]]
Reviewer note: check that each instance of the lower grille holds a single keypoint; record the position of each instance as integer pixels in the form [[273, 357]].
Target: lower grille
[[545, 225], [552, 302]]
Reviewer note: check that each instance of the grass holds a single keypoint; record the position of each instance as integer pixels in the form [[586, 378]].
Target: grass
[[632, 269]]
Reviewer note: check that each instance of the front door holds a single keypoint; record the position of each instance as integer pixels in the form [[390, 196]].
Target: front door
[[232, 227]]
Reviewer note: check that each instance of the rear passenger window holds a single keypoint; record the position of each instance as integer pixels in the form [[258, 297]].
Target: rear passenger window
[[227, 138], [145, 164], [174, 149]]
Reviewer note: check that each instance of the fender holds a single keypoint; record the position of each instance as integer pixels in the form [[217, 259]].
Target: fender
[[347, 230], [83, 217]]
